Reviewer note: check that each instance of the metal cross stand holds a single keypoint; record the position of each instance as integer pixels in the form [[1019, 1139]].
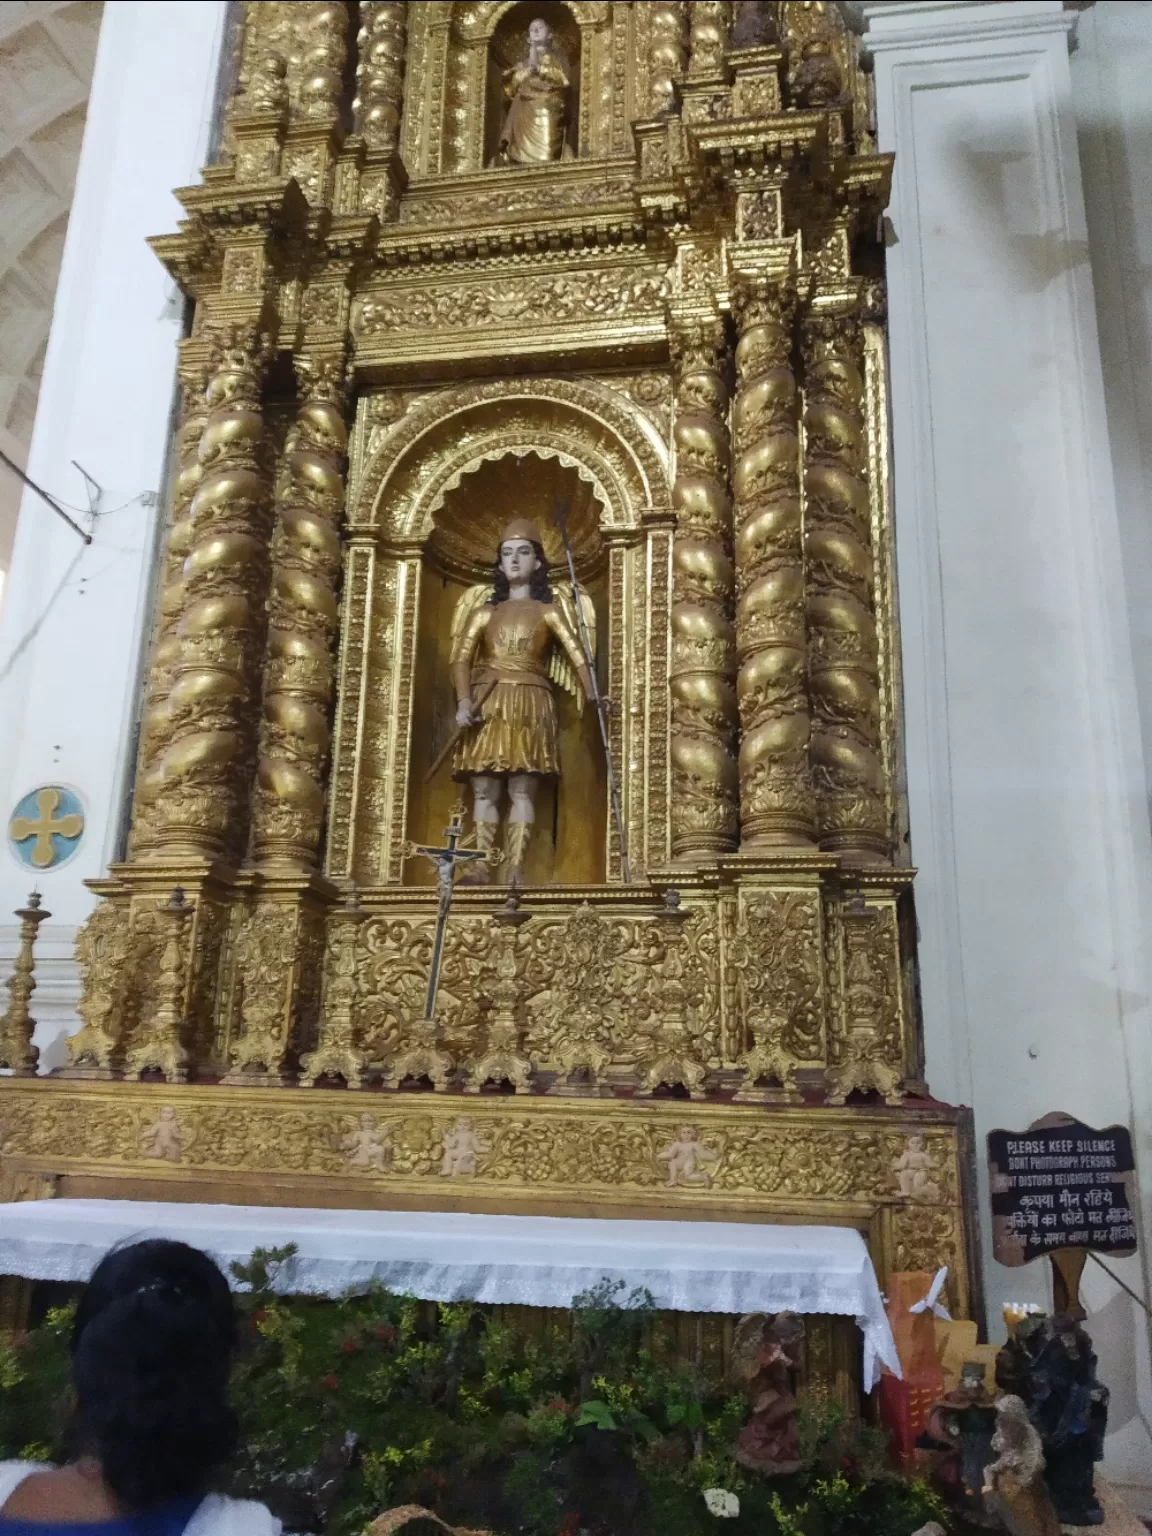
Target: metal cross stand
[[445, 859], [601, 704]]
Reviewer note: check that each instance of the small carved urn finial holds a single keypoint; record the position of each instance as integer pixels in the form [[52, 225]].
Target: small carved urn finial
[[16, 1049]]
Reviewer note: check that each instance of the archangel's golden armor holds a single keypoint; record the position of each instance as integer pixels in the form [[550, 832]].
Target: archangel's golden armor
[[537, 88], [507, 646]]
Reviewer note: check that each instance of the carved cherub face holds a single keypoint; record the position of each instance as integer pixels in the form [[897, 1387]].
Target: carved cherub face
[[517, 557], [367, 1123], [167, 1113], [687, 1133], [915, 1143]]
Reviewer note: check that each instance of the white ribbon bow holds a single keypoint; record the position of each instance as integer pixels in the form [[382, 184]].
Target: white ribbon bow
[[931, 1302]]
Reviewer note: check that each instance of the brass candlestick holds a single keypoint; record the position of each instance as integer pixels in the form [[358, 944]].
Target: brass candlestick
[[16, 1049]]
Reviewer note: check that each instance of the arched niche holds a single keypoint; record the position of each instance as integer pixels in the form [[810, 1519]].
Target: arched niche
[[568, 846], [469, 458], [508, 45], [446, 99]]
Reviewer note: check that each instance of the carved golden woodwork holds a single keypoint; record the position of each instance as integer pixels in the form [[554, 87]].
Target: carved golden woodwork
[[17, 1052], [708, 24], [288, 804], [842, 646], [665, 54], [704, 777], [380, 72], [771, 688], [160, 1048], [668, 331], [548, 1155], [195, 789]]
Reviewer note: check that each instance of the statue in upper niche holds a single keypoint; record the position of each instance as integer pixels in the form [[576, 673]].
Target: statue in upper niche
[[536, 125]]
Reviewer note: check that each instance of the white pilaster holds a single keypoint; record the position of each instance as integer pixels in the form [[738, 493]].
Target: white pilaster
[[1025, 764], [1112, 93], [74, 617], [1025, 767]]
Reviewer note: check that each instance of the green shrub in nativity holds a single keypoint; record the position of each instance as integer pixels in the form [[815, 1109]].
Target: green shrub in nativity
[[582, 1423]]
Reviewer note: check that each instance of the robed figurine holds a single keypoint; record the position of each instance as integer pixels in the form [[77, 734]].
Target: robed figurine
[[513, 640], [1069, 1407], [535, 126]]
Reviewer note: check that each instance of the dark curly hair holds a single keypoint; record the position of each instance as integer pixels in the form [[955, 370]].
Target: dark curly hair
[[540, 587], [151, 1351]]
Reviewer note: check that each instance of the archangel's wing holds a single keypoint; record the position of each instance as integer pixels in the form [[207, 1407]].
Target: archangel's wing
[[560, 668], [466, 605]]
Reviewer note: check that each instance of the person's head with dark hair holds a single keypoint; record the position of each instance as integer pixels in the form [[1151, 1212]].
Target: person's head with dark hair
[[151, 1351]]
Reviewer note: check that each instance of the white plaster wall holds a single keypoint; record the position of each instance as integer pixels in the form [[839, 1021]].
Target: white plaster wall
[[1025, 764], [1112, 91], [73, 618]]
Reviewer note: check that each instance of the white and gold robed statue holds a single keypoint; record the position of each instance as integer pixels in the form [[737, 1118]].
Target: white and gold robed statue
[[535, 125], [513, 641]]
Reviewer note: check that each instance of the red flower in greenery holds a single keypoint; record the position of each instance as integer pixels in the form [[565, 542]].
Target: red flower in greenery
[[570, 1524], [351, 1346], [329, 1382], [385, 1333], [557, 1405], [260, 1314]]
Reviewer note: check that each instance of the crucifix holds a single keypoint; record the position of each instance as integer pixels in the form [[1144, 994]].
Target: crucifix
[[445, 859]]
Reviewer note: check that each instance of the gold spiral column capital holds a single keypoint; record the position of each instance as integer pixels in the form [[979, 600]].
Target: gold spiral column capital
[[776, 808], [288, 801], [705, 786], [843, 667]]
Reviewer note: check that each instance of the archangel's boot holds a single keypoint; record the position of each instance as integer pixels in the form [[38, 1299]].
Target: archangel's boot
[[516, 835], [479, 871]]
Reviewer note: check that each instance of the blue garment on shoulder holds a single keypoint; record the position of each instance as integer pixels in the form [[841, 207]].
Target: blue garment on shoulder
[[169, 1520]]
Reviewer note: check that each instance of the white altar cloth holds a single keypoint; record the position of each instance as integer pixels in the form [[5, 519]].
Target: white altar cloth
[[536, 1261]]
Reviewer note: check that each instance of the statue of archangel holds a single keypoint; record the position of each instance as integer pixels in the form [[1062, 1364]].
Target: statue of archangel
[[512, 640]]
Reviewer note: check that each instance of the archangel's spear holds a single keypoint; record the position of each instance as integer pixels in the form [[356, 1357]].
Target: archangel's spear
[[597, 698]]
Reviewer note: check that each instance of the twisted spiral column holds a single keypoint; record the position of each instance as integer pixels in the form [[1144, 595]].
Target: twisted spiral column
[[288, 804], [154, 724], [381, 42], [709, 21], [705, 817], [843, 662], [775, 790], [665, 54], [325, 47], [200, 780]]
